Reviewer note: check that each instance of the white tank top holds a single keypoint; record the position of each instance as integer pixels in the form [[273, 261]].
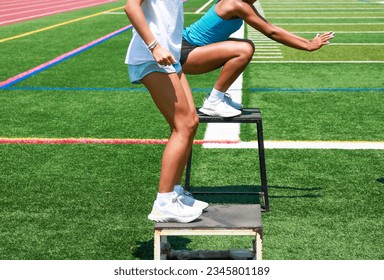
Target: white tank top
[[165, 19]]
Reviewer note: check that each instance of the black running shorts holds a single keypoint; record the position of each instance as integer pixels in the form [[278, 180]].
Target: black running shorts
[[186, 48]]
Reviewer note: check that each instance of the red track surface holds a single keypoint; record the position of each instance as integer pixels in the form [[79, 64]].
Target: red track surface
[[12, 11]]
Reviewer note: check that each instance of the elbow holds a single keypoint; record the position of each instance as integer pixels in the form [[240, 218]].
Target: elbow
[[126, 9], [271, 32]]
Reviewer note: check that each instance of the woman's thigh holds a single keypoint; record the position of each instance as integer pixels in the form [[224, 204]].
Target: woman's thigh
[[210, 57], [172, 96]]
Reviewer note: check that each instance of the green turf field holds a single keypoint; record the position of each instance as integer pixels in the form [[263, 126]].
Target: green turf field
[[90, 201]]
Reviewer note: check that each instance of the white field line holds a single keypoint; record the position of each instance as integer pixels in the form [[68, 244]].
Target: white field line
[[333, 145], [259, 8], [265, 47], [203, 7], [271, 56]]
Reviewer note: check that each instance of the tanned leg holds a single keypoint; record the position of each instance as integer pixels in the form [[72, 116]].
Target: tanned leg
[[173, 98], [232, 55]]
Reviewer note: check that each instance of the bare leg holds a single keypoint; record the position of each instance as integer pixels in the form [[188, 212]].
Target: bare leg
[[173, 97], [191, 103], [232, 55]]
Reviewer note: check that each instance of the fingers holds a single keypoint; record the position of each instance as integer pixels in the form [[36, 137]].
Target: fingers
[[166, 61], [325, 37], [164, 58]]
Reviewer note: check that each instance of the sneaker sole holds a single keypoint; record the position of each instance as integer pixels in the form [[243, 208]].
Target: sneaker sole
[[170, 219], [215, 114]]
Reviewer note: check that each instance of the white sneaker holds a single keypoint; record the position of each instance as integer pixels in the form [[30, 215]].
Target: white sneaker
[[230, 102], [174, 211], [219, 108], [187, 199]]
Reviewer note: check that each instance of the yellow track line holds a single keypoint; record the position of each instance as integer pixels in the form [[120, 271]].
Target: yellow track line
[[56, 25]]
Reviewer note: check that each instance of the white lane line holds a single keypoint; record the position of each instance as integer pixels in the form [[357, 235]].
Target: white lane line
[[203, 7], [326, 145]]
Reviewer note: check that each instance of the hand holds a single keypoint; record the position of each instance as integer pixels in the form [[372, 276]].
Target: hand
[[321, 40], [163, 56]]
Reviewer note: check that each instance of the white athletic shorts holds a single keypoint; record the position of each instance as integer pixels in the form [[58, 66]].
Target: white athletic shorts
[[137, 72]]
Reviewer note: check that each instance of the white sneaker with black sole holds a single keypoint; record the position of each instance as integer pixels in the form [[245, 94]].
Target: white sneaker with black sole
[[174, 211], [219, 108]]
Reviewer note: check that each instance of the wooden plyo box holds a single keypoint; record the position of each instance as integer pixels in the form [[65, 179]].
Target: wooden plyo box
[[240, 220]]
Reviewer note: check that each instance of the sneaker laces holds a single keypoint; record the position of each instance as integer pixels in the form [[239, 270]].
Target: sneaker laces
[[187, 193], [176, 198]]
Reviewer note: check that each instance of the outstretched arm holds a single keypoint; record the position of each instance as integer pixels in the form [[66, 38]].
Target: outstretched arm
[[252, 17], [289, 39], [135, 14]]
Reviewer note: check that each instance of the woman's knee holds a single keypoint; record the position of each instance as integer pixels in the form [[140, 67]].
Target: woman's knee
[[193, 124], [247, 49], [188, 126]]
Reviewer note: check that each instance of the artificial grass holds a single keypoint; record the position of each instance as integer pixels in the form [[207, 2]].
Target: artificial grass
[[120, 114], [313, 76], [76, 202], [91, 201], [327, 116], [84, 114]]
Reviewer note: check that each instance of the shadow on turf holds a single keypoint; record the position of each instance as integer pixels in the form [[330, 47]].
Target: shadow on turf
[[307, 191], [144, 250], [246, 194]]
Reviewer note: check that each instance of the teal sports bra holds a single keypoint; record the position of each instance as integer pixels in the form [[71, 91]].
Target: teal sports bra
[[211, 28]]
